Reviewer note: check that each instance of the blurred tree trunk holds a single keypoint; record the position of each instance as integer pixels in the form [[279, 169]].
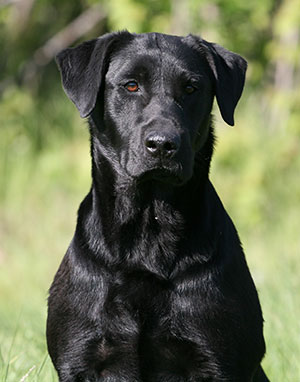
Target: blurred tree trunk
[[21, 16], [284, 66], [286, 63], [180, 17]]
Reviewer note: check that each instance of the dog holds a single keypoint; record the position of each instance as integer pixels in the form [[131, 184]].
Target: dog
[[154, 285]]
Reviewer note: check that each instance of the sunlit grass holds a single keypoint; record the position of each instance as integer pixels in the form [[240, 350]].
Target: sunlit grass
[[40, 193]]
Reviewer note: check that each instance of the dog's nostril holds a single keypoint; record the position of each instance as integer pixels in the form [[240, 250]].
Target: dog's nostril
[[169, 146], [151, 145]]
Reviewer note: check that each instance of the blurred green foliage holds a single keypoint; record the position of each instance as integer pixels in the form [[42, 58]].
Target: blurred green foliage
[[45, 166]]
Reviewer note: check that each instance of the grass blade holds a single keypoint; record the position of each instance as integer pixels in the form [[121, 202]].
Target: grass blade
[[11, 347], [23, 379], [42, 365]]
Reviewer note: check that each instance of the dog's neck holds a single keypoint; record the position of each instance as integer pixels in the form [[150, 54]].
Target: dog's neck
[[126, 208]]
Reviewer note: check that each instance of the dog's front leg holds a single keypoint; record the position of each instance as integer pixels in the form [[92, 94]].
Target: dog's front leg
[[102, 377], [124, 371], [121, 364]]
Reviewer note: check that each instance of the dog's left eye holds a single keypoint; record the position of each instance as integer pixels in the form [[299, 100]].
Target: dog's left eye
[[132, 86], [189, 89]]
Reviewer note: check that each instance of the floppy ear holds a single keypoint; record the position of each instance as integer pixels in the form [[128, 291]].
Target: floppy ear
[[229, 70], [82, 69]]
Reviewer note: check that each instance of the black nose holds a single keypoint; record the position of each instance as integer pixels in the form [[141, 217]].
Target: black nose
[[162, 144]]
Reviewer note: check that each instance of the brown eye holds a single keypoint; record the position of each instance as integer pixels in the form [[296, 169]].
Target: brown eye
[[132, 86], [189, 89]]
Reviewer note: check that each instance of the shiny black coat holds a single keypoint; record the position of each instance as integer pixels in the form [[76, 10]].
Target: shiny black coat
[[154, 286]]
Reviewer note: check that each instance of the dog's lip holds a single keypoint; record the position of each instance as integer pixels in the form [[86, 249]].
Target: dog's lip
[[161, 174]]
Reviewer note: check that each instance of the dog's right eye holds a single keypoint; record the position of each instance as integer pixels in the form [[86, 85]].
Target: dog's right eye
[[132, 86], [189, 89]]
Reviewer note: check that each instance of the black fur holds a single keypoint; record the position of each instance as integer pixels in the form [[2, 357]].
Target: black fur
[[154, 286]]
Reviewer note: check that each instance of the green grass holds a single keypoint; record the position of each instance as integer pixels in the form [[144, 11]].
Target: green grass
[[255, 172], [40, 193], [36, 226]]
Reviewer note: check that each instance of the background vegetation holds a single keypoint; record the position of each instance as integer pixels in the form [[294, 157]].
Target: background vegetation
[[45, 169]]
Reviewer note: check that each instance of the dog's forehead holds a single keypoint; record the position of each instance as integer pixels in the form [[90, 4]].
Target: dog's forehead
[[155, 51]]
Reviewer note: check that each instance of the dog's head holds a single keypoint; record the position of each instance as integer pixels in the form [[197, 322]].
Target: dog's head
[[149, 98]]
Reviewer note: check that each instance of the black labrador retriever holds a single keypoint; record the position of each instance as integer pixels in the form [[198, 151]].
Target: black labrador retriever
[[154, 286]]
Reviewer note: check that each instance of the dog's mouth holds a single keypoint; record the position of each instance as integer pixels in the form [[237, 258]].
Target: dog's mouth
[[163, 175]]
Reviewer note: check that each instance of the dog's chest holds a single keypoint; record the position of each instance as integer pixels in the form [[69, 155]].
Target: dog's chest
[[154, 306], [158, 320]]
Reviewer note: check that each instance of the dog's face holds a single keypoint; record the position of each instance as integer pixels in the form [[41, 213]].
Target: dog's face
[[155, 94], [158, 96]]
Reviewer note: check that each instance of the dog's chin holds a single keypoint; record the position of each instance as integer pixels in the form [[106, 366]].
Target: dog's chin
[[164, 176]]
